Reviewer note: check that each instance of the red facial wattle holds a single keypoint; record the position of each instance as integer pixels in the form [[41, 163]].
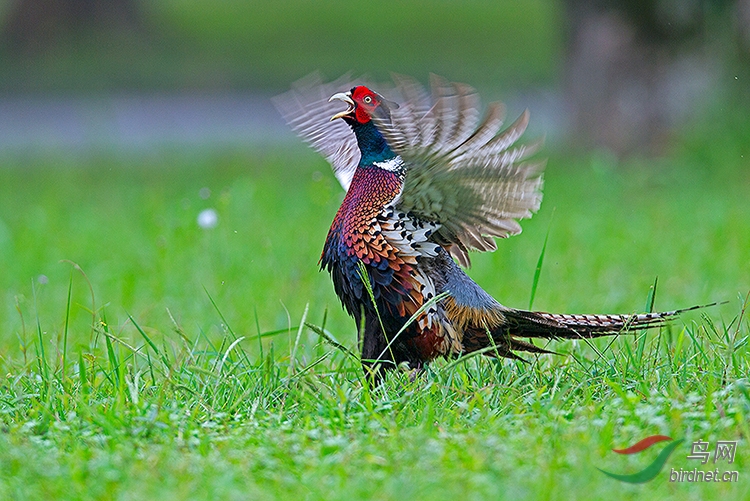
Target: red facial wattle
[[362, 103], [367, 101]]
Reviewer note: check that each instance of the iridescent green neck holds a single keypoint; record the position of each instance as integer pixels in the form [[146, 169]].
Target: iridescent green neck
[[372, 144]]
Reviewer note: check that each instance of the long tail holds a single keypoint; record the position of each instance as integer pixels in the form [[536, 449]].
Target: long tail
[[541, 325]]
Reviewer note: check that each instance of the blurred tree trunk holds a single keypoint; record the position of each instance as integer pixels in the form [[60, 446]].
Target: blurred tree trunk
[[742, 27], [32, 26], [635, 68]]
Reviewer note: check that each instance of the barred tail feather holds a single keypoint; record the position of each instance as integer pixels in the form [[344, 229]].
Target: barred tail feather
[[543, 325]]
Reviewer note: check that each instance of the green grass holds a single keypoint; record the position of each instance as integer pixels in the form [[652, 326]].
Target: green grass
[[264, 44], [196, 381]]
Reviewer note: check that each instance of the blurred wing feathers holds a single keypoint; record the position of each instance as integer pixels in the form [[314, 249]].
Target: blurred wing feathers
[[462, 171], [307, 111]]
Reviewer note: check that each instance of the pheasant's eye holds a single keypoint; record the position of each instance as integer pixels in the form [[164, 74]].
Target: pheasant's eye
[[367, 100]]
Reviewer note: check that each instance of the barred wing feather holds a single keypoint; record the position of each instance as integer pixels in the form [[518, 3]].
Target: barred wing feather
[[462, 172]]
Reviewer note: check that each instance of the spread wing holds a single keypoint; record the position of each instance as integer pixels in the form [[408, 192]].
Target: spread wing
[[307, 111], [462, 171]]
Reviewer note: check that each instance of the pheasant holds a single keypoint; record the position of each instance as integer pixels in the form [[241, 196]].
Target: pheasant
[[426, 182]]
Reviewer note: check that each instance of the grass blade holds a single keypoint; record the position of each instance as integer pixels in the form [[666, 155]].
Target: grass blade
[[322, 332], [226, 354], [65, 327], [539, 263], [158, 353], [82, 376], [411, 320], [91, 291], [257, 327], [41, 356], [651, 298], [226, 324], [296, 340]]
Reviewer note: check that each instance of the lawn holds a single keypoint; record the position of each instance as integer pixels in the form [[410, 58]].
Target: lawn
[[201, 379], [228, 45]]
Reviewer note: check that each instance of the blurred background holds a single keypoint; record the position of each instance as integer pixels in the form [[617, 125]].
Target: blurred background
[[615, 74], [138, 141]]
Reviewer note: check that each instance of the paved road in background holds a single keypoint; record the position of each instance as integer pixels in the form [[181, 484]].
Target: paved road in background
[[48, 123], [136, 121]]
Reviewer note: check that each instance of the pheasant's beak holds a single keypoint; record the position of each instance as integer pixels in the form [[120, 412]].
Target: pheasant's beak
[[347, 98]]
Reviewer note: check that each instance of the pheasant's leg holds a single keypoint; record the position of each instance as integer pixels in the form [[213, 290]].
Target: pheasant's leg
[[377, 356]]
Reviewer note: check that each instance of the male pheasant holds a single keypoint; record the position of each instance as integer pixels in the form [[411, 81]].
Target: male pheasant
[[428, 181]]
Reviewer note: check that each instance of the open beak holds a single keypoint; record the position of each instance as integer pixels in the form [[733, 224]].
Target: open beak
[[347, 98]]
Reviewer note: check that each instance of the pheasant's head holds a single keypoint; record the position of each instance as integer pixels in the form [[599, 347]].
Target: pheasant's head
[[362, 105]]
